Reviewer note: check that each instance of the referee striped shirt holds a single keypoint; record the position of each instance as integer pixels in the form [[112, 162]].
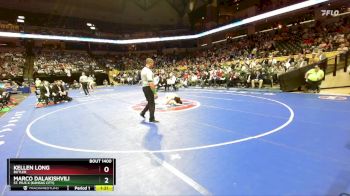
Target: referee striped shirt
[[146, 76]]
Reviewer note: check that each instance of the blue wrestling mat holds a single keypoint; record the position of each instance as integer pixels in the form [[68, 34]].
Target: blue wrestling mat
[[218, 142]]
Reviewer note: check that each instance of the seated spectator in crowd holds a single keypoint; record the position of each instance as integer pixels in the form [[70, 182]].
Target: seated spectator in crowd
[[162, 82], [25, 84], [105, 82], [212, 77], [14, 86], [314, 78], [204, 77], [289, 63], [280, 70], [75, 85], [302, 62], [256, 77], [184, 82], [314, 58], [130, 80], [342, 49], [220, 75], [321, 56], [194, 79], [232, 79], [171, 82]]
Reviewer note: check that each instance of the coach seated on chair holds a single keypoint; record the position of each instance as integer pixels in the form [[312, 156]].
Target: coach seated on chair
[[3, 95], [55, 93], [314, 78], [59, 93], [45, 92]]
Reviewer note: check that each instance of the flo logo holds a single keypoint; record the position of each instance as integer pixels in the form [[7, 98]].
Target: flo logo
[[330, 12], [162, 107]]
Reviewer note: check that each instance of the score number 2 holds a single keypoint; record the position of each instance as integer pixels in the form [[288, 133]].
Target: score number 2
[[106, 170]]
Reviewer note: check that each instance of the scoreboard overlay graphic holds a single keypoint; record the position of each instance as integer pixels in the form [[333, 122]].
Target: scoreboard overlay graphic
[[95, 174]]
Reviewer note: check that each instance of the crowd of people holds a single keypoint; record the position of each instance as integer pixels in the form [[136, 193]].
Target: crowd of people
[[243, 62], [236, 73], [11, 64], [63, 63]]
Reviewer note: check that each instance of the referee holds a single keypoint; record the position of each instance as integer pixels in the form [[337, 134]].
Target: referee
[[149, 90], [84, 83]]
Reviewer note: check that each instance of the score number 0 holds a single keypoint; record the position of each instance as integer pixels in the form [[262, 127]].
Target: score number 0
[[106, 170]]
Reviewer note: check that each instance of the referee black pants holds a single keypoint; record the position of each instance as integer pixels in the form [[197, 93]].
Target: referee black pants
[[85, 87], [151, 106]]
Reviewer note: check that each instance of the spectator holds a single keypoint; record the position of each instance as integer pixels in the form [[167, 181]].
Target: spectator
[[256, 77], [314, 78], [38, 83], [105, 82]]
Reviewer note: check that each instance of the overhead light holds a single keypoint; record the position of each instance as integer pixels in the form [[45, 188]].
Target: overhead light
[[21, 17], [20, 20], [345, 13], [223, 40], [92, 27], [88, 24], [191, 5], [239, 36], [307, 21], [204, 44], [266, 30]]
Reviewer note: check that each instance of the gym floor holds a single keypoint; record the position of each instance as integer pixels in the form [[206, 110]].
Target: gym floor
[[219, 142]]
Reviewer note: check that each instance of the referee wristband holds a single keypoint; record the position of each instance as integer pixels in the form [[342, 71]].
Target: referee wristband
[[154, 91]]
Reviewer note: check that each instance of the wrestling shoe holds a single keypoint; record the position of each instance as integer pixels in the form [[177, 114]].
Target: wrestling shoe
[[154, 121]]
